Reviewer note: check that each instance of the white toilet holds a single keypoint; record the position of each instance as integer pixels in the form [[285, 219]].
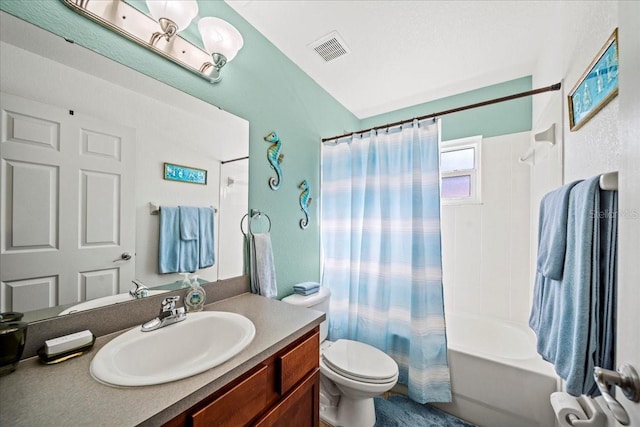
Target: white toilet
[[351, 373]]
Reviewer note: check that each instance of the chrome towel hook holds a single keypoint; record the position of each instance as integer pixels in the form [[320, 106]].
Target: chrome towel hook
[[627, 379]]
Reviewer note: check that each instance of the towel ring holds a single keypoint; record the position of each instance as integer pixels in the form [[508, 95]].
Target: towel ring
[[254, 215], [242, 222]]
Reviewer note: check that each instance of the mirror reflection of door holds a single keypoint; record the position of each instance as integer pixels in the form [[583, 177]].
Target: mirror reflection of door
[[170, 126], [67, 199]]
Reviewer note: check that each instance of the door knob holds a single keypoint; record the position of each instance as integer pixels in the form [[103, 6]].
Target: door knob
[[627, 379], [126, 256]]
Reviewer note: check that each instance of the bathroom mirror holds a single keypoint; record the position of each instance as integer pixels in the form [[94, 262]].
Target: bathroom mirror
[[52, 88]]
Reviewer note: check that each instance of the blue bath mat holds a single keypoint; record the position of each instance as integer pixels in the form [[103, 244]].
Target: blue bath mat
[[400, 411]]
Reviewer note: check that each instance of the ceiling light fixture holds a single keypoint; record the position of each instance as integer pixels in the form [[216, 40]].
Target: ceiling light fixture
[[221, 40], [159, 32], [173, 16]]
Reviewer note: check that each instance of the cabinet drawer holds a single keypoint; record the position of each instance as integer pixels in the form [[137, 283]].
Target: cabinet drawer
[[298, 362], [238, 406], [301, 407]]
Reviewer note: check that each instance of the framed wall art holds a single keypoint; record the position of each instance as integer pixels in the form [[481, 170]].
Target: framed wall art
[[185, 174], [596, 87]]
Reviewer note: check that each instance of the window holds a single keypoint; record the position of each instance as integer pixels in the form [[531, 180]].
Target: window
[[460, 170]]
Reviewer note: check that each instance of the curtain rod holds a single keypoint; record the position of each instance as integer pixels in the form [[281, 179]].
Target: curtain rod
[[233, 160], [455, 110]]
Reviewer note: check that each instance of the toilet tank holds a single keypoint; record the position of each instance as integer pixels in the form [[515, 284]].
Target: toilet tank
[[318, 301]]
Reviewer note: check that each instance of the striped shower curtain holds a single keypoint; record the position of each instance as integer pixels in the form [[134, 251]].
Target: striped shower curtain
[[381, 250]]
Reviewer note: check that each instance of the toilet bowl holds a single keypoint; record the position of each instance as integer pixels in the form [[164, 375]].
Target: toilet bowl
[[351, 373]]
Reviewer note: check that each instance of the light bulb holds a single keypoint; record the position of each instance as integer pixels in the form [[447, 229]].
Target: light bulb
[[220, 37], [181, 12]]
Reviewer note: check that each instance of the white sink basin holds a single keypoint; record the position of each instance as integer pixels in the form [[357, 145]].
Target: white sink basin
[[101, 302], [174, 352]]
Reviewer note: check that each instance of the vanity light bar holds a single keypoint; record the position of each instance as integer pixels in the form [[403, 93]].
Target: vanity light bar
[[129, 22]]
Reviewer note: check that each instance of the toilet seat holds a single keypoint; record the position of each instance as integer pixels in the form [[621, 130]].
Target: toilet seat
[[360, 362]]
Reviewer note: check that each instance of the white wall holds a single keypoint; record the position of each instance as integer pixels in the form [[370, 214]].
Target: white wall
[[164, 133], [583, 28], [486, 246]]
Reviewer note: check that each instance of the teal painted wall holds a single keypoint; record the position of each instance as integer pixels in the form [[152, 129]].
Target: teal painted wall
[[261, 85], [492, 120], [266, 88]]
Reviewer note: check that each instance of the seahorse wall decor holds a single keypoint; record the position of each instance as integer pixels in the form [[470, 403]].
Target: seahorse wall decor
[[305, 201], [275, 159]]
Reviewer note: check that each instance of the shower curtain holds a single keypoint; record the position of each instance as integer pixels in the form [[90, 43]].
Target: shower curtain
[[380, 220]]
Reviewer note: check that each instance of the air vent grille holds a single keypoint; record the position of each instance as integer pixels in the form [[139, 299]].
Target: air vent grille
[[330, 47]]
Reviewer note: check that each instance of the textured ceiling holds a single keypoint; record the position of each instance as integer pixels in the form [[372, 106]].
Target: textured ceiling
[[404, 53]]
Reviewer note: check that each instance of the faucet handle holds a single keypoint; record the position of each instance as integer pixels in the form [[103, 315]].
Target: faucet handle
[[169, 303], [140, 290]]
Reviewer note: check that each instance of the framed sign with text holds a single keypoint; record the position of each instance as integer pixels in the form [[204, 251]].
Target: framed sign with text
[[185, 174], [597, 86]]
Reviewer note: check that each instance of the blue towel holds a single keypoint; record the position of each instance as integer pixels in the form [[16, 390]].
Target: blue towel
[[206, 219], [305, 286], [186, 239], [189, 223], [573, 317], [604, 296], [263, 273], [189, 244], [168, 242], [552, 231]]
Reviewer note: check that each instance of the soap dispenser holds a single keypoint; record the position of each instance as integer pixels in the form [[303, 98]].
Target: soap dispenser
[[186, 283], [196, 295]]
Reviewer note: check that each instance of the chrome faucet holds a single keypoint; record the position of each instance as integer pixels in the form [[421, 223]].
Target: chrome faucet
[[140, 291], [168, 314]]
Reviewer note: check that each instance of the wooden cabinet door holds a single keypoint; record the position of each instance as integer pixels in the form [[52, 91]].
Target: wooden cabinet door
[[301, 408], [298, 362], [238, 406]]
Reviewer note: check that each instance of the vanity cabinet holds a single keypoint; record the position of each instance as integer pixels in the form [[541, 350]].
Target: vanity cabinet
[[283, 390]]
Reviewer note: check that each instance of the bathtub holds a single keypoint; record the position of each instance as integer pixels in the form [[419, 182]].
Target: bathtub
[[497, 377]]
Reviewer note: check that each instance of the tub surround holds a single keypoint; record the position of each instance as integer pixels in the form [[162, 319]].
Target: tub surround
[[66, 394]]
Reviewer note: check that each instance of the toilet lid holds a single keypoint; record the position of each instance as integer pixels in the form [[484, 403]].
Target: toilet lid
[[360, 362]]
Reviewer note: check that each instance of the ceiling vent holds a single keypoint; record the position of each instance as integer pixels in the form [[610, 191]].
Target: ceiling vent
[[330, 47]]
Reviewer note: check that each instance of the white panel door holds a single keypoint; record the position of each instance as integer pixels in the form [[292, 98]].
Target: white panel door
[[68, 211]]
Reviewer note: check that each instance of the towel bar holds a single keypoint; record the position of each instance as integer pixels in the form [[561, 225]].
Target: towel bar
[[609, 181], [155, 209]]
